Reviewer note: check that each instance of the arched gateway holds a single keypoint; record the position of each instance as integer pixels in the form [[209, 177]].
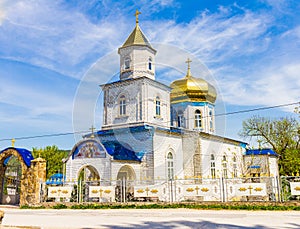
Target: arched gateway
[[20, 176]]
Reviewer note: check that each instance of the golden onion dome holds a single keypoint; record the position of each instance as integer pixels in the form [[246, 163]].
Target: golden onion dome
[[192, 89]]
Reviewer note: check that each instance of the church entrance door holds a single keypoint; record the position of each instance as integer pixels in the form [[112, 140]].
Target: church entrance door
[[11, 182], [125, 184], [87, 176]]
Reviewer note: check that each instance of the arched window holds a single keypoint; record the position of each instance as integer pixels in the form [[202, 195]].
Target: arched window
[[211, 127], [224, 166], [170, 166], [122, 105], [234, 166], [212, 166], [180, 119], [157, 106], [127, 63], [150, 63], [198, 118]]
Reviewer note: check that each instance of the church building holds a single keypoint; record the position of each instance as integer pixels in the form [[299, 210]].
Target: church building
[[155, 134]]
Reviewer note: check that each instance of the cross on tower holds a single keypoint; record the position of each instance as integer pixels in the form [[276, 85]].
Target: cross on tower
[[13, 142], [188, 61], [137, 16], [92, 129]]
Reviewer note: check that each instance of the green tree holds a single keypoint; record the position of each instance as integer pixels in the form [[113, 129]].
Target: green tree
[[282, 135], [53, 156]]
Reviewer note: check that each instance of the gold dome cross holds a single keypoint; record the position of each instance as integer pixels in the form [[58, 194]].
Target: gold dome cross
[[188, 61], [137, 16]]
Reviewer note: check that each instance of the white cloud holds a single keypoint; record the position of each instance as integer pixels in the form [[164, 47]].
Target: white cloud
[[3, 8], [216, 37], [270, 86], [45, 34]]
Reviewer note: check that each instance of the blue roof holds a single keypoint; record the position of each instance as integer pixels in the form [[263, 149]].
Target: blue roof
[[261, 152], [122, 151], [56, 179], [24, 153], [131, 129]]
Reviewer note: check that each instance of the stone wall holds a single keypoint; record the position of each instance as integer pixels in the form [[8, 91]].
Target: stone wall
[[31, 179], [31, 183]]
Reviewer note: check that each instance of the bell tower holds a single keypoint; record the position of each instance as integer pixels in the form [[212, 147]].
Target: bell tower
[[137, 57]]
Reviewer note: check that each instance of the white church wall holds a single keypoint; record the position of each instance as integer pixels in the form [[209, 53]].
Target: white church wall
[[117, 165], [139, 62], [151, 92], [140, 97], [273, 166], [189, 144], [204, 109], [163, 143], [141, 55], [131, 91], [220, 149], [102, 166]]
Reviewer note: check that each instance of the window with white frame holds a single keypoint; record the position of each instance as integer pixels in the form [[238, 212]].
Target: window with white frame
[[122, 105], [198, 119], [211, 126], [224, 167], [180, 119], [127, 63], [234, 165], [212, 166], [170, 166], [157, 106], [150, 63]]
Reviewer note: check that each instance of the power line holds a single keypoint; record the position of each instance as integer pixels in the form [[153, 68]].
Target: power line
[[216, 115], [45, 135], [258, 109]]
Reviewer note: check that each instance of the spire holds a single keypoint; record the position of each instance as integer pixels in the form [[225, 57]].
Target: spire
[[188, 73], [136, 37]]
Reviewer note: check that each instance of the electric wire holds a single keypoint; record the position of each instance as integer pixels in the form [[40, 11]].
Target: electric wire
[[214, 115]]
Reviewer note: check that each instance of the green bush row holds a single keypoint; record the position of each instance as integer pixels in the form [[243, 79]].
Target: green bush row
[[215, 206]]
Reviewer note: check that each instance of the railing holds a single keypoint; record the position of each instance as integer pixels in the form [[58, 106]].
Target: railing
[[177, 190]]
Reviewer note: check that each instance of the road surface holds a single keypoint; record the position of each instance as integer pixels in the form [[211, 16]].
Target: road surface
[[150, 218]]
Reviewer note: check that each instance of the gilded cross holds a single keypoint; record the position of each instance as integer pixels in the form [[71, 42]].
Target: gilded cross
[[250, 189], [137, 16], [197, 189], [92, 129], [100, 191], [188, 61], [147, 190], [13, 142]]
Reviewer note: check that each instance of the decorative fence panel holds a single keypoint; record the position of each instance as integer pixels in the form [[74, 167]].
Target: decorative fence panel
[[295, 188], [199, 189], [290, 188]]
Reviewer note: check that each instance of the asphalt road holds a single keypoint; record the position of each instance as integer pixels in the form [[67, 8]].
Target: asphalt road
[[150, 218]]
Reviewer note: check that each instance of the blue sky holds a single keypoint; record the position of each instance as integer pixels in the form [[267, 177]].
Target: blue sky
[[54, 55]]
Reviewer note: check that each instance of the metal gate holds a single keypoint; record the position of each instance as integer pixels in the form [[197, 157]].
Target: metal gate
[[11, 185]]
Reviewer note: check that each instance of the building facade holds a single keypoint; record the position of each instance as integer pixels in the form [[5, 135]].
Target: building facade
[[154, 134]]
